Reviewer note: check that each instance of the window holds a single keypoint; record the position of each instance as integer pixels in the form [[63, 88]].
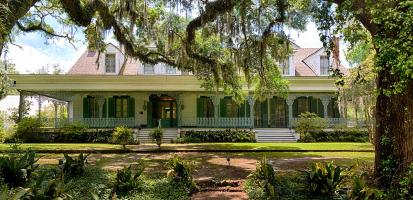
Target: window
[[121, 106], [148, 69], [302, 105], [285, 67], [110, 63], [324, 65], [91, 107], [205, 107], [170, 69]]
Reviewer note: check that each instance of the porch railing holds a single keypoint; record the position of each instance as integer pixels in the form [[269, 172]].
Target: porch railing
[[332, 122], [222, 122], [109, 122], [90, 122]]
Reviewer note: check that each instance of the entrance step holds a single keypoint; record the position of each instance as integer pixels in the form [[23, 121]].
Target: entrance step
[[168, 135], [275, 135]]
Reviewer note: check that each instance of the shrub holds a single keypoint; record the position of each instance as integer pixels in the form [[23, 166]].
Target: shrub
[[27, 126], [74, 128], [181, 172], [72, 167], [344, 135], [122, 135], [227, 135], [44, 189], [324, 179], [309, 121], [360, 190], [157, 135], [126, 180], [264, 178], [16, 168]]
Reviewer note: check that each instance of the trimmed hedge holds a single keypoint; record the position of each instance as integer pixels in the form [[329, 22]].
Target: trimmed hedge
[[58, 136], [227, 135], [336, 136]]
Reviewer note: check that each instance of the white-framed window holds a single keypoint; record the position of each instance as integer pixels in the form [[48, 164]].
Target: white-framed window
[[148, 68], [110, 63], [170, 69], [324, 65], [285, 67]]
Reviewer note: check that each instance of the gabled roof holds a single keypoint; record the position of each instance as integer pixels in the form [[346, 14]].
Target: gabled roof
[[87, 63]]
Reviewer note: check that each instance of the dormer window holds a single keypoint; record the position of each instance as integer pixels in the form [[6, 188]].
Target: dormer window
[[324, 65], [110, 63], [170, 69], [148, 68]]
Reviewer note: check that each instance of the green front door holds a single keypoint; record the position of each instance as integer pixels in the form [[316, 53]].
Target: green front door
[[162, 111]]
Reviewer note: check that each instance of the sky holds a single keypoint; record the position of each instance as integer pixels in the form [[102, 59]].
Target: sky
[[34, 51]]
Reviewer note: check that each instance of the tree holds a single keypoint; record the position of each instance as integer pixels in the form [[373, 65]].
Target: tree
[[242, 35]]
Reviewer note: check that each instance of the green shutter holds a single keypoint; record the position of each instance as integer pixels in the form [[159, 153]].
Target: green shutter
[[200, 107], [131, 107], [149, 114], [320, 108], [264, 110], [86, 108], [295, 108], [241, 110], [111, 106], [313, 105], [223, 107], [248, 110], [105, 109]]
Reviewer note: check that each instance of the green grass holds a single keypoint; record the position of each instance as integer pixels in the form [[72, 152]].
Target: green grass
[[201, 146]]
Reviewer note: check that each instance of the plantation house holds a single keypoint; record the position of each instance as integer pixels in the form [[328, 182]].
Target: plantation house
[[109, 91]]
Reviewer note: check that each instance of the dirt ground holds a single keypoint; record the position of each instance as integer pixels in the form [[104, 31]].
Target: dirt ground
[[208, 167]]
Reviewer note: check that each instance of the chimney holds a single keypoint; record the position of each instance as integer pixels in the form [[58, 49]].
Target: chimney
[[336, 51]]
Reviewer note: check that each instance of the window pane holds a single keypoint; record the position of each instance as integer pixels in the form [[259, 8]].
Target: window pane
[[118, 105], [324, 64], [110, 63], [124, 107], [148, 69]]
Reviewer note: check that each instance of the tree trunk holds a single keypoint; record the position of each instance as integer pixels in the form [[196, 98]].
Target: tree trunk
[[394, 132]]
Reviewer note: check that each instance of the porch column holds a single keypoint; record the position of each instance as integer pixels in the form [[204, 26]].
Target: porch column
[[55, 105], [251, 102], [21, 105], [101, 101], [215, 100], [290, 102], [39, 104], [179, 109], [325, 100]]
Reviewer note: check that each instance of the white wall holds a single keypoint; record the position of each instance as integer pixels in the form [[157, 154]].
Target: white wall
[[314, 60]]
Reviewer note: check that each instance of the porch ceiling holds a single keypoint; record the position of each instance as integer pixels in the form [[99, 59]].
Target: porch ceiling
[[105, 83]]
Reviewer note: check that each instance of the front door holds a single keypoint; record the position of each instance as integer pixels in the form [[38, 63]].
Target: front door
[[162, 111], [278, 113]]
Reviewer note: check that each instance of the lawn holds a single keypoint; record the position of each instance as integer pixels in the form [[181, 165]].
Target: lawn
[[202, 146]]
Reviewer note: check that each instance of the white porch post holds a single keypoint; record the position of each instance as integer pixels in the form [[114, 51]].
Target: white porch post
[[21, 104], [55, 105], [325, 100], [216, 100], [179, 109], [251, 102], [290, 102]]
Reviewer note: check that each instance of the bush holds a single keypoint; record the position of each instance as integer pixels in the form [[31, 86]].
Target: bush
[[264, 179], [74, 128], [122, 135], [126, 180], [309, 121], [324, 179], [72, 167], [360, 190], [57, 136], [181, 171], [157, 135], [26, 127], [342, 135], [227, 135], [16, 168]]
